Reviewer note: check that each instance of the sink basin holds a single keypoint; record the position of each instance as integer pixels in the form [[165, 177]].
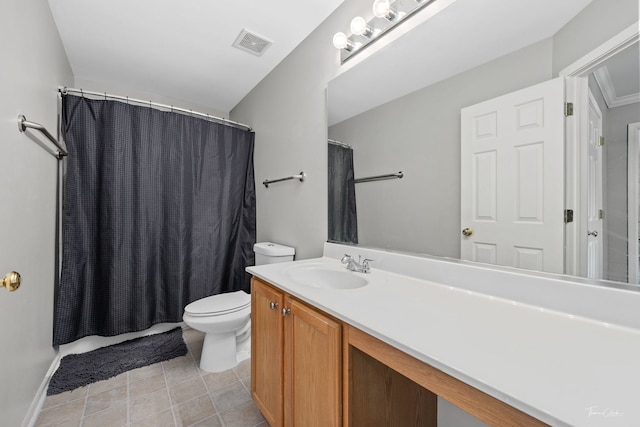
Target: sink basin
[[325, 277]]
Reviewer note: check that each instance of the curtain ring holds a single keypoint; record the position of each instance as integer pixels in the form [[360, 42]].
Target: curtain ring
[[81, 93], [105, 96], [127, 100]]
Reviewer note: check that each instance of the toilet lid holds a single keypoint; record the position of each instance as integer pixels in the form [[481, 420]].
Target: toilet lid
[[219, 304]]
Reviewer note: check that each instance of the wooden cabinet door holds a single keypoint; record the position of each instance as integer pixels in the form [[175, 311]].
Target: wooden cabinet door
[[267, 348], [313, 368]]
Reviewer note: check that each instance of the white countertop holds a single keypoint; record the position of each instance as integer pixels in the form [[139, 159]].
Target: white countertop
[[562, 368]]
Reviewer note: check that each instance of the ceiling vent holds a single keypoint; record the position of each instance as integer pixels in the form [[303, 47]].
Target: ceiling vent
[[252, 43]]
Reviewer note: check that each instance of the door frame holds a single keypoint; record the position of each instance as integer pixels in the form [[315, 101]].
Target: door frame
[[585, 191], [576, 126]]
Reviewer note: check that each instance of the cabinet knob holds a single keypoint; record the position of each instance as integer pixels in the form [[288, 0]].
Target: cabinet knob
[[286, 311], [273, 305]]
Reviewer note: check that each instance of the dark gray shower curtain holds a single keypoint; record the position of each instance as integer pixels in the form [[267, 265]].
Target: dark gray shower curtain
[[159, 211], [343, 221]]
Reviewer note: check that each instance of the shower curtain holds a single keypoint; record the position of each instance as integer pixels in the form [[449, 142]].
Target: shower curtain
[[343, 221], [159, 211]]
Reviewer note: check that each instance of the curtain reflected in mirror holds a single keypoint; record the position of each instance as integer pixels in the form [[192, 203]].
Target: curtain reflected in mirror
[[343, 222]]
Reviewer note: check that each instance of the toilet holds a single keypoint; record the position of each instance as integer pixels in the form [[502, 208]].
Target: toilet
[[226, 318]]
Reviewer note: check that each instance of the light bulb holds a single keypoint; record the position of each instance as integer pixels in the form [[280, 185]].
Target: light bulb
[[340, 41], [383, 9], [359, 27]]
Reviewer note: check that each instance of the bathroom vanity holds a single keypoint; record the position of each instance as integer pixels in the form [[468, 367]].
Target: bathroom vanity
[[296, 363], [334, 347]]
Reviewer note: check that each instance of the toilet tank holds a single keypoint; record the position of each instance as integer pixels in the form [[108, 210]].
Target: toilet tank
[[270, 253]]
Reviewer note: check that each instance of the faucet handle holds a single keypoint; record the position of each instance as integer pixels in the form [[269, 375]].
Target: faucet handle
[[365, 265], [346, 259]]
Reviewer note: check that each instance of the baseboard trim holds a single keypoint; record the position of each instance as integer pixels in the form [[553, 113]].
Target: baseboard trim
[[31, 417]]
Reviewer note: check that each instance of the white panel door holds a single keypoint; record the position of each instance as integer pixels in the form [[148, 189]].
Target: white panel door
[[512, 159]]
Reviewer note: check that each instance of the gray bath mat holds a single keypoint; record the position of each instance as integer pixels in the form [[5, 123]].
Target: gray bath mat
[[77, 370]]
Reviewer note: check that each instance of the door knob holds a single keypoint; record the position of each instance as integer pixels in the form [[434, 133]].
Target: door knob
[[593, 233], [273, 305], [286, 311], [12, 281], [467, 232]]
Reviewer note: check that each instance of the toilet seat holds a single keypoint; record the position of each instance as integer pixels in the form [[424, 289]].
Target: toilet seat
[[220, 304]]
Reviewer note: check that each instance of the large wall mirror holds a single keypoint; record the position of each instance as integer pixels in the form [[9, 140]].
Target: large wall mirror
[[400, 110]]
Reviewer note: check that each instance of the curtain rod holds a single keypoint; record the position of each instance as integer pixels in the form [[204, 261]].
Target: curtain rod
[[63, 90], [333, 141]]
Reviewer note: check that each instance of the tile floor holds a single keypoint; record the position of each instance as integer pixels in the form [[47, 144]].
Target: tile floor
[[175, 393]]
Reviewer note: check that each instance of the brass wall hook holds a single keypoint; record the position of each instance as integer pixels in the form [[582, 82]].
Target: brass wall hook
[[12, 281]]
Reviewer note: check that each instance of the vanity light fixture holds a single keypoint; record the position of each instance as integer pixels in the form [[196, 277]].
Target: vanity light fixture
[[385, 17]]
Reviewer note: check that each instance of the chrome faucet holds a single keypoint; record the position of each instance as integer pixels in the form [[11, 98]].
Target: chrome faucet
[[361, 266]]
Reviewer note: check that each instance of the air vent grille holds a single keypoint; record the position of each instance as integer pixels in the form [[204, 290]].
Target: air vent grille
[[252, 43]]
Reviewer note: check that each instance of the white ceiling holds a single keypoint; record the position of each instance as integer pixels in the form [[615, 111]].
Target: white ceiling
[[466, 34], [182, 49]]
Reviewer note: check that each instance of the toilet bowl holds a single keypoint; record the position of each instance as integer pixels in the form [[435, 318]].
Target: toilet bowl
[[226, 321], [226, 318]]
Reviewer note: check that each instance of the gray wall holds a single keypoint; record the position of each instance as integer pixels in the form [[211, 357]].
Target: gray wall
[[34, 64], [288, 111]]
